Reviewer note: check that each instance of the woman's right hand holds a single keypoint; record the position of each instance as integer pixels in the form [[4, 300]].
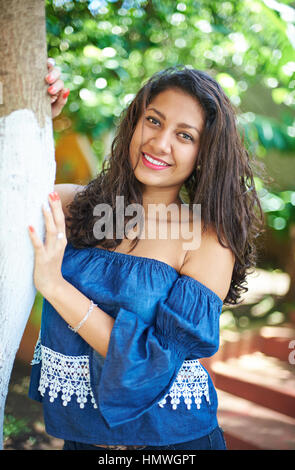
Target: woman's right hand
[[56, 90]]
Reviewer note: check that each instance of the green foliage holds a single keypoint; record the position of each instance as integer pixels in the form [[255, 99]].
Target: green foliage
[[14, 427], [279, 208]]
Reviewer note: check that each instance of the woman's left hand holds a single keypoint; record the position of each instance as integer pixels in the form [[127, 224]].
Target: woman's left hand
[[49, 256], [58, 94]]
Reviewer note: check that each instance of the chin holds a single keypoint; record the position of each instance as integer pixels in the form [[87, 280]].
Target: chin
[[149, 181]]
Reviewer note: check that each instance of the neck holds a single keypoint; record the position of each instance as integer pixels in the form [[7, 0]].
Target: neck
[[160, 196]]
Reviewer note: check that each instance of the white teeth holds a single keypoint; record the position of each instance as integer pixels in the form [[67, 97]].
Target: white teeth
[[155, 162]]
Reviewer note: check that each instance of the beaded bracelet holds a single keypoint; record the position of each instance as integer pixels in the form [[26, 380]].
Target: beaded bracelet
[[76, 328]]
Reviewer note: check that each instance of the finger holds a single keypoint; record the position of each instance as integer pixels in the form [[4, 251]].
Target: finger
[[56, 87], [59, 102], [53, 75], [50, 63], [36, 242], [57, 213], [51, 230], [61, 96], [65, 93]]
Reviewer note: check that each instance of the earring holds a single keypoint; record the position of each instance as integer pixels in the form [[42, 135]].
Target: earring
[[198, 167]]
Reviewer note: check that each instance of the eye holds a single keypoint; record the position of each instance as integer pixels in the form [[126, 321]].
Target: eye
[[152, 120], [186, 136]]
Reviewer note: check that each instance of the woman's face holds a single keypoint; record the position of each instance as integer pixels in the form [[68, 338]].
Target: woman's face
[[166, 140]]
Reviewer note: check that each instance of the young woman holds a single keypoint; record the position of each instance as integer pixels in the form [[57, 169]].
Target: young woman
[[126, 318]]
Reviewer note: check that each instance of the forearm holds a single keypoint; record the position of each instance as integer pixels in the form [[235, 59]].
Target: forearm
[[72, 306]]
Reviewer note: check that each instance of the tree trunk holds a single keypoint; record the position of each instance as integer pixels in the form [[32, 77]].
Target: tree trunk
[[27, 167]]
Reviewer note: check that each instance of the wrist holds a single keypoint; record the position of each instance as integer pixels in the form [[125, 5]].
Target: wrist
[[54, 289]]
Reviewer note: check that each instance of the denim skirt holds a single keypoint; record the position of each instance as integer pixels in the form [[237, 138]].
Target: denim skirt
[[213, 441]]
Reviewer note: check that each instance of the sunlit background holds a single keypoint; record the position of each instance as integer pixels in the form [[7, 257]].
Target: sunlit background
[[106, 50]]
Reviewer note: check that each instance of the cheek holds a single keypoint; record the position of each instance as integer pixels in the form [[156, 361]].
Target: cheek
[[189, 159]]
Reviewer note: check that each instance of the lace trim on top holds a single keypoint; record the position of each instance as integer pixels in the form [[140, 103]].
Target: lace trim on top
[[191, 383], [70, 375]]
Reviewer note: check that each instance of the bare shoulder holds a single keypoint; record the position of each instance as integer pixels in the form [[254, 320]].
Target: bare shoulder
[[210, 263], [67, 193]]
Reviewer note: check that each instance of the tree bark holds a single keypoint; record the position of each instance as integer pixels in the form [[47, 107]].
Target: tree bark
[[27, 168]]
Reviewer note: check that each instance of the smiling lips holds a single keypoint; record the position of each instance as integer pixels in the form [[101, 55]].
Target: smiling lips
[[154, 163]]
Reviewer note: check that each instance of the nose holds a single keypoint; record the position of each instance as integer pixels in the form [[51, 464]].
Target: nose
[[162, 142]]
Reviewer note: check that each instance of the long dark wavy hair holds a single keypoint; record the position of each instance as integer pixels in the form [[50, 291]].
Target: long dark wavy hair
[[222, 182]]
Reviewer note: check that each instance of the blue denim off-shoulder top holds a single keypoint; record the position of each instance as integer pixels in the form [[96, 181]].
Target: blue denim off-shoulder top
[[151, 388]]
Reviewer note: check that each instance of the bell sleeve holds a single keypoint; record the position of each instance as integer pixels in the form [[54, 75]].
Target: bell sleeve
[[143, 360]]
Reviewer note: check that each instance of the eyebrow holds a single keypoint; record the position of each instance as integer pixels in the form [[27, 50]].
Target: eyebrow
[[180, 124]]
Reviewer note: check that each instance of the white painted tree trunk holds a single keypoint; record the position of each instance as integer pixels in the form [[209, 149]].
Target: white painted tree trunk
[[27, 168], [27, 174]]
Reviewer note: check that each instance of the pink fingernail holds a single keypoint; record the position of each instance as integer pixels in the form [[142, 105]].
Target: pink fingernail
[[54, 196], [66, 94], [50, 78], [52, 89]]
